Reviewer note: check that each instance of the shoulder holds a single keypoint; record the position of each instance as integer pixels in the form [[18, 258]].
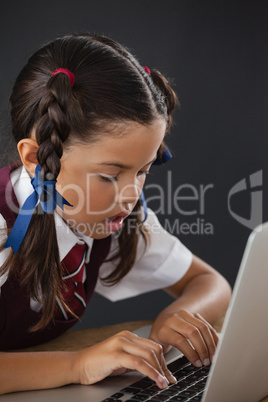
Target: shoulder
[[162, 263], [3, 229], [161, 243], [9, 175], [5, 252], [7, 172]]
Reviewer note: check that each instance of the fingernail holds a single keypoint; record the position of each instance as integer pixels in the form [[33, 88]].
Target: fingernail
[[206, 362], [198, 363], [167, 382], [174, 379], [163, 381]]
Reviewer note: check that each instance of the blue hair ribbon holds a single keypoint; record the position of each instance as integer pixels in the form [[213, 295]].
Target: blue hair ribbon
[[144, 205], [165, 157], [41, 188]]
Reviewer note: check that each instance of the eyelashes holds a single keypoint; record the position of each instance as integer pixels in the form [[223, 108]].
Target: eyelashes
[[113, 179], [108, 179]]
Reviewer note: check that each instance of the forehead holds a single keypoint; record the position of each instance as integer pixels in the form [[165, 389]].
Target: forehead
[[122, 143]]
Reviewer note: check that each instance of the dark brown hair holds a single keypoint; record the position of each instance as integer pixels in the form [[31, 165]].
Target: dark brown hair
[[110, 86]]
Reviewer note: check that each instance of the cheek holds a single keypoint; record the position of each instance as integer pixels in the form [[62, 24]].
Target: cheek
[[74, 194], [89, 197], [100, 196], [140, 183], [100, 199]]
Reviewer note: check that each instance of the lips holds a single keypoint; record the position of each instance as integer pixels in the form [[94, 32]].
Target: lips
[[121, 215], [116, 222]]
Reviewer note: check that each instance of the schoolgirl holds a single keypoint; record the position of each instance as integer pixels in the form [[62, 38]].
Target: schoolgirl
[[89, 122]]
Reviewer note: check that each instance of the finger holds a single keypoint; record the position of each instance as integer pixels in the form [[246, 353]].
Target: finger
[[146, 353], [152, 352], [158, 350], [183, 325], [168, 373], [129, 352], [197, 339], [161, 358], [210, 336], [200, 334], [212, 329], [132, 362], [180, 342], [200, 337]]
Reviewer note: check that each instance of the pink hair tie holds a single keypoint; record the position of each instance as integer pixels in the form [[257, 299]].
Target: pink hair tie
[[65, 71], [147, 70]]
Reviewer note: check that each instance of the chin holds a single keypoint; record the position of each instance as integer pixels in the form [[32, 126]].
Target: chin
[[98, 232], [98, 236]]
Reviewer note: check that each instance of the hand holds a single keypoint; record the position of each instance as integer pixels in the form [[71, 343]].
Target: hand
[[174, 329], [121, 353]]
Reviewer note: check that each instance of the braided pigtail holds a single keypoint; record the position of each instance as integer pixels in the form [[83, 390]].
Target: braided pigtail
[[44, 272], [53, 127]]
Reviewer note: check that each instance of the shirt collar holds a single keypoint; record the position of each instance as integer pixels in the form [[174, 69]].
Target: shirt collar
[[66, 238]]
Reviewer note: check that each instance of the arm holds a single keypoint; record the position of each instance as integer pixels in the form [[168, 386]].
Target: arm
[[36, 370], [116, 355], [202, 297]]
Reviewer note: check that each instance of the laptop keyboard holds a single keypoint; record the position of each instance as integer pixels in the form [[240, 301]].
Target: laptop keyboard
[[190, 385]]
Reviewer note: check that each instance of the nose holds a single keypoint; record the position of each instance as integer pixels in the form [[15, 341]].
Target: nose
[[128, 195]]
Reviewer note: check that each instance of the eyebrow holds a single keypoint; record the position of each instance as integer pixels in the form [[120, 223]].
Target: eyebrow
[[121, 165]]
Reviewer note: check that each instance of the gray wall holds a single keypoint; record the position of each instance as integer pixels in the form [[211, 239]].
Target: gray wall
[[216, 53]]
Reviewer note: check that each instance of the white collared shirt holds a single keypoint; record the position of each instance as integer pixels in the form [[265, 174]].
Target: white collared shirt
[[163, 263]]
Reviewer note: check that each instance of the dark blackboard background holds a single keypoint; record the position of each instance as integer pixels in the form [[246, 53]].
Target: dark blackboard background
[[216, 54]]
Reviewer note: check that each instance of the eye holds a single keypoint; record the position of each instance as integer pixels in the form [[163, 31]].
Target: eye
[[143, 173], [108, 179]]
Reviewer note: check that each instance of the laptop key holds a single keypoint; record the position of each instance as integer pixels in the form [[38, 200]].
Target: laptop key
[[191, 368], [179, 387], [188, 393], [184, 383], [169, 392], [202, 382], [194, 377], [177, 364], [130, 390], [117, 395], [160, 397], [196, 387], [205, 369], [142, 384], [195, 398], [111, 400], [139, 397], [179, 376], [149, 392], [155, 388]]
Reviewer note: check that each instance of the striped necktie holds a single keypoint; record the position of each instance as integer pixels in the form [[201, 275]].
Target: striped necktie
[[74, 292]]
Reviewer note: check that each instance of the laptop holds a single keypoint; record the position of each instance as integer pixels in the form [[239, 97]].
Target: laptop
[[239, 372]]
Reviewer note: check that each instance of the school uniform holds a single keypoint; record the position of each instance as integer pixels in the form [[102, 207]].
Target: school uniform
[[161, 264]]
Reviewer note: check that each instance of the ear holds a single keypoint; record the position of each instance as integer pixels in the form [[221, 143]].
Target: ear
[[27, 149]]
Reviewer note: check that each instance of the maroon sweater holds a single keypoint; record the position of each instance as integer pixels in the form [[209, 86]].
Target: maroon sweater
[[16, 315]]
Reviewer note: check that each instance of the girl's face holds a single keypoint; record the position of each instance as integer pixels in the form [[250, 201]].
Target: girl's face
[[103, 180]]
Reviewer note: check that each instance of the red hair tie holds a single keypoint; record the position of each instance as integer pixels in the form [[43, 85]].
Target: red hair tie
[[65, 71], [147, 70]]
